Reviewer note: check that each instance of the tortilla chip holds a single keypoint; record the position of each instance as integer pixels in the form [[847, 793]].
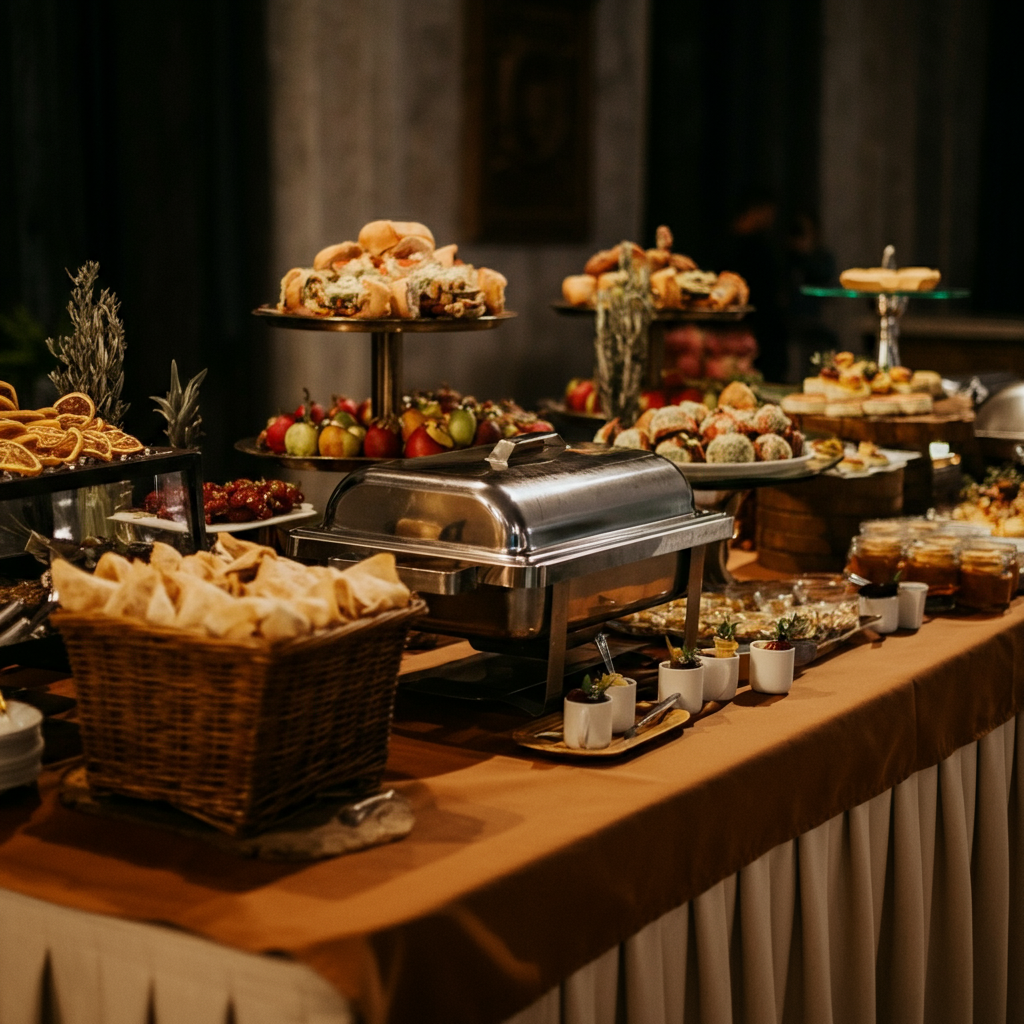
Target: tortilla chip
[[279, 577], [246, 565], [197, 601], [133, 594], [165, 558], [370, 587], [231, 547], [112, 566], [77, 590], [234, 618], [284, 622], [160, 611], [203, 566]]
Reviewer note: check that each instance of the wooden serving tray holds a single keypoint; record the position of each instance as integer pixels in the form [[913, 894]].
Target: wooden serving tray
[[528, 736]]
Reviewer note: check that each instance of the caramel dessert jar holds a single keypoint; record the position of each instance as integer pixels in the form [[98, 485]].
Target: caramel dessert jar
[[935, 559], [989, 574]]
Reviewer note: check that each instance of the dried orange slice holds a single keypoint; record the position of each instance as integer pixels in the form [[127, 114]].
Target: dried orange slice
[[16, 458], [48, 411], [72, 419], [96, 445], [70, 447], [50, 460], [29, 441], [46, 437], [6, 403], [53, 422], [76, 402], [122, 443], [20, 415], [11, 428], [8, 392], [97, 424]]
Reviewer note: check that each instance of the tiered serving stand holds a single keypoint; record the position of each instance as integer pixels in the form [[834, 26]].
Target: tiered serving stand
[[386, 338]]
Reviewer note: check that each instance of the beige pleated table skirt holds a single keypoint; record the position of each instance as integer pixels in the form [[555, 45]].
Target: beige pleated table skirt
[[907, 908]]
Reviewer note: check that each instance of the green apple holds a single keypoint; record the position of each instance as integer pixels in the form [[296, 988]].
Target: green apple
[[301, 439], [462, 427]]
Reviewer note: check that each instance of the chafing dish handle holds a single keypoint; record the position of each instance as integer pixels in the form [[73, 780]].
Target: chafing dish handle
[[425, 579], [508, 447]]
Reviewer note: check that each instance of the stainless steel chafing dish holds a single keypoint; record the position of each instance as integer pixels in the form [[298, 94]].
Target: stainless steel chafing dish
[[531, 541]]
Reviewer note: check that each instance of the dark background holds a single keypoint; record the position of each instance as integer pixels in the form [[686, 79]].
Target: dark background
[[136, 135]]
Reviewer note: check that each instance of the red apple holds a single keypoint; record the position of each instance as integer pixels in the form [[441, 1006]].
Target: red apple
[[421, 443], [383, 440], [593, 402], [276, 430], [364, 412], [341, 403], [487, 432], [577, 400], [570, 388], [537, 427]]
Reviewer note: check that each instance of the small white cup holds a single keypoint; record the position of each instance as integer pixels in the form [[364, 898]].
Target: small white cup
[[587, 726], [911, 599], [771, 671], [623, 700], [887, 607], [721, 675], [687, 683]]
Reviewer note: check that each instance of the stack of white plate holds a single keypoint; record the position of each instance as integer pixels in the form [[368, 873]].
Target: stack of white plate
[[21, 745]]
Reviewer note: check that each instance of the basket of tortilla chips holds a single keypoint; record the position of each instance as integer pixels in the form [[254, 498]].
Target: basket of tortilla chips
[[233, 684]]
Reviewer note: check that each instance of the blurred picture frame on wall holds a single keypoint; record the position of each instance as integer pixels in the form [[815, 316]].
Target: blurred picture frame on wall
[[527, 131]]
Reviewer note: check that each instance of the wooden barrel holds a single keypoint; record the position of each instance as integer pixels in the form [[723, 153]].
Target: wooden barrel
[[807, 526]]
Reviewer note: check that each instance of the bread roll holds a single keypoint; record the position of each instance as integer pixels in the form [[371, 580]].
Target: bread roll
[[918, 279], [404, 301], [870, 279], [413, 227], [603, 261], [291, 290], [376, 301], [578, 289], [446, 254], [411, 245], [492, 284], [342, 252], [612, 279], [378, 236], [665, 289]]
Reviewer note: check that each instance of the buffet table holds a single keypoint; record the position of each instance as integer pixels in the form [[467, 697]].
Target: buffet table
[[857, 845]]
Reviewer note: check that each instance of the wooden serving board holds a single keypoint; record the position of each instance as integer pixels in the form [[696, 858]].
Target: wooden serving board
[[527, 736], [952, 420]]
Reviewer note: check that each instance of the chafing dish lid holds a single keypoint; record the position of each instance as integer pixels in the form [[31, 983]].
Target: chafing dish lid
[[1002, 415], [525, 495]]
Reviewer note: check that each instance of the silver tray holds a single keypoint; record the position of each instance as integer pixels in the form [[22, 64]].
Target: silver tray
[[384, 325], [668, 316]]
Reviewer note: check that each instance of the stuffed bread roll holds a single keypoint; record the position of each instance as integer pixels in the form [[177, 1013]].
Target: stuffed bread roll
[[334, 256], [493, 285], [291, 290], [578, 289], [364, 297]]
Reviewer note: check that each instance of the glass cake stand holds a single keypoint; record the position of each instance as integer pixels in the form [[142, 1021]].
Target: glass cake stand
[[890, 305]]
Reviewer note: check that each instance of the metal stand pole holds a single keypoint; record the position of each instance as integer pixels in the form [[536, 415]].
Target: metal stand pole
[[556, 643], [386, 372]]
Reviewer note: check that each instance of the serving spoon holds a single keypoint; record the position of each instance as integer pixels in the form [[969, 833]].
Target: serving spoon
[[601, 640]]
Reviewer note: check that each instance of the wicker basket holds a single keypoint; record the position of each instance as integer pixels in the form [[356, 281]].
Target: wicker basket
[[234, 732]]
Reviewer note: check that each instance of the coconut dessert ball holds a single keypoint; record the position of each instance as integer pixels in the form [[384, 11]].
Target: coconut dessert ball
[[716, 423], [770, 419], [681, 449], [730, 448], [745, 421], [698, 410], [770, 448]]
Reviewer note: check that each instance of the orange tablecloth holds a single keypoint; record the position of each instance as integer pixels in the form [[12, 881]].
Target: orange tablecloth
[[521, 869]]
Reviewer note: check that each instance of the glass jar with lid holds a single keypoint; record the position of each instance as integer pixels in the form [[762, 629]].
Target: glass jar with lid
[[934, 559], [876, 556], [989, 574]]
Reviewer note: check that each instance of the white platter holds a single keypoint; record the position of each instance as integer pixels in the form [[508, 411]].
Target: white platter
[[151, 522], [780, 469], [897, 460]]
